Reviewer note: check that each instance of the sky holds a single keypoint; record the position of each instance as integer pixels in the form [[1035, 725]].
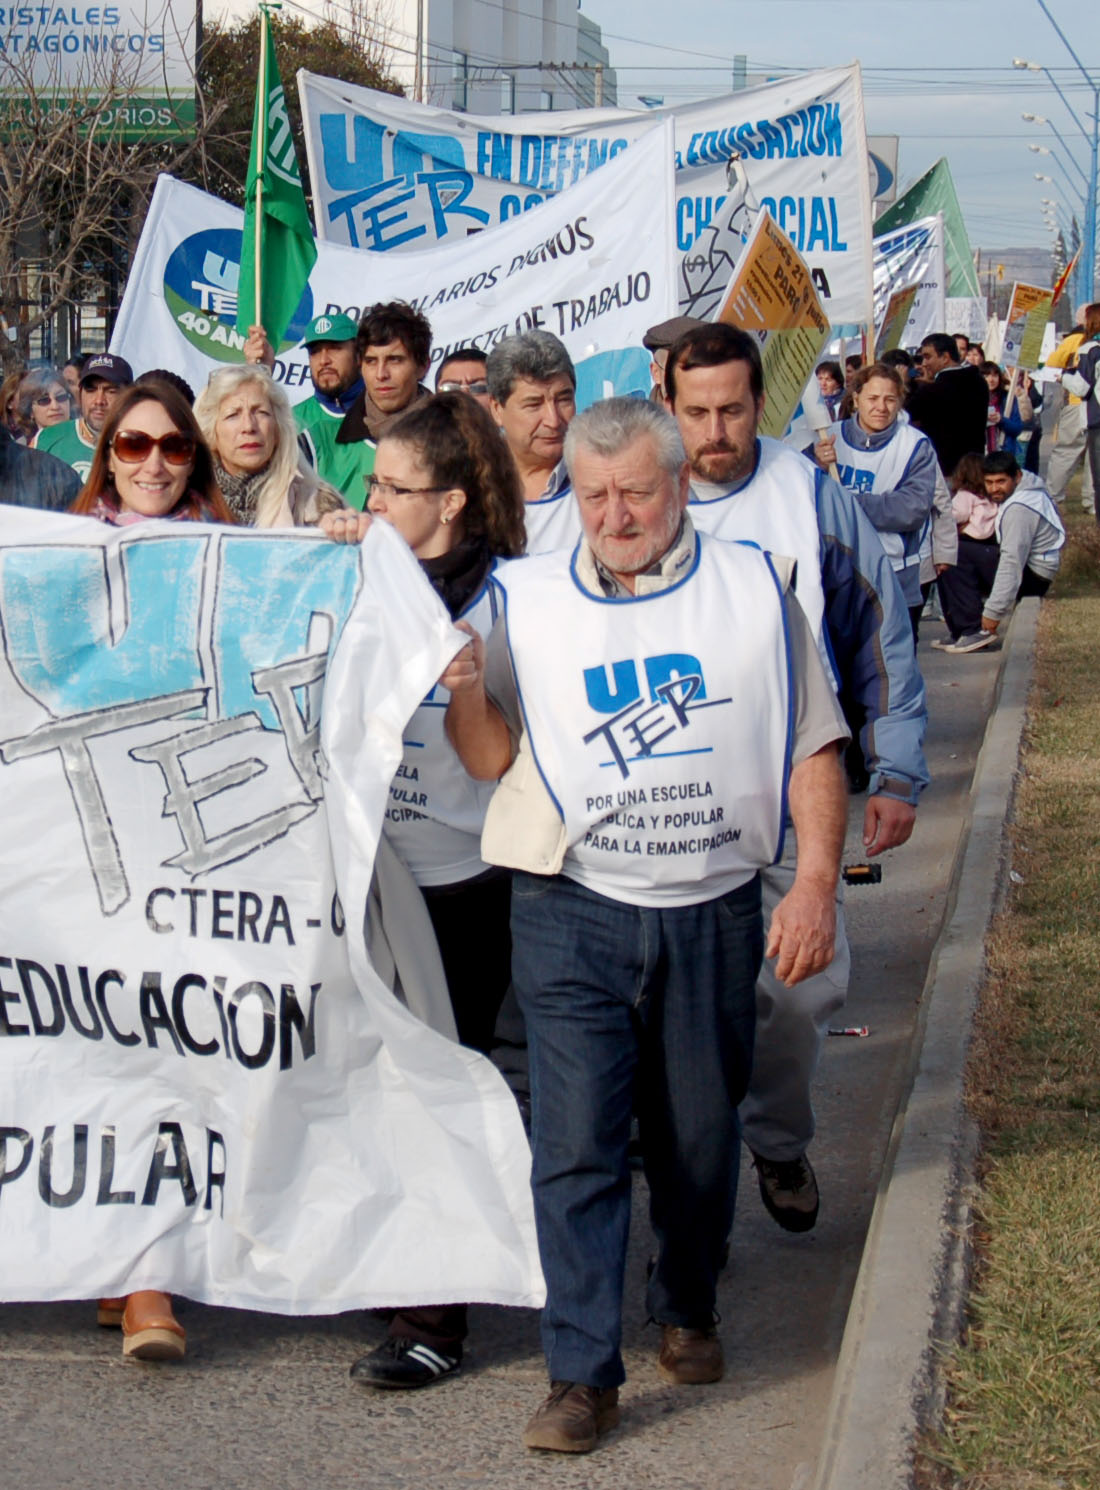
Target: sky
[[937, 73]]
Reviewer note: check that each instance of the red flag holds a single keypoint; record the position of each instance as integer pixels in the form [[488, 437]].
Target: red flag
[[1063, 278]]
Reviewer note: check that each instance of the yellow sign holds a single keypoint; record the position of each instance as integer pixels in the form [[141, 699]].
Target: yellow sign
[[896, 319], [1028, 314], [772, 296]]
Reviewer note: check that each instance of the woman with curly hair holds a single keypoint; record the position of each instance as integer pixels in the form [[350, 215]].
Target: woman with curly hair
[[444, 479]]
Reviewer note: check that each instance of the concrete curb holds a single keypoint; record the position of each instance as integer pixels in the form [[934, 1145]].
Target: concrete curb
[[910, 1290]]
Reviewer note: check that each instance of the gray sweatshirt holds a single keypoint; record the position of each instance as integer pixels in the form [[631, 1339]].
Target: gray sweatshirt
[[1029, 540]]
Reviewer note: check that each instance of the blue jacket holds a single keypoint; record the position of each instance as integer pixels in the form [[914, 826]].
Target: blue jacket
[[871, 640], [866, 629], [907, 507]]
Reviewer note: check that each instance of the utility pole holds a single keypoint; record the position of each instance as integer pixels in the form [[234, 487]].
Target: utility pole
[[1086, 267]]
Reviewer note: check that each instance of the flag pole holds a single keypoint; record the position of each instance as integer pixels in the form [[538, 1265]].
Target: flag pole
[[261, 156]]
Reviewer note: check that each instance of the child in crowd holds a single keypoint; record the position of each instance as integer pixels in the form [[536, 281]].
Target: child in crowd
[[975, 514]]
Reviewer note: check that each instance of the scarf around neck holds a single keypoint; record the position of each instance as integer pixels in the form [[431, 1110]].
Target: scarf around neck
[[457, 576], [239, 491]]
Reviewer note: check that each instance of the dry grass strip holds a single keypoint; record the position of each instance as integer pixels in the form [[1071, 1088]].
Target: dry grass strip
[[1023, 1408]]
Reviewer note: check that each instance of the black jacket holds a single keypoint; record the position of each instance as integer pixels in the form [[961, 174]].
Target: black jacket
[[951, 410], [32, 478]]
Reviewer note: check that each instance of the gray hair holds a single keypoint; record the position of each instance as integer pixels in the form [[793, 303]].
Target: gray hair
[[225, 383], [537, 355], [38, 380], [609, 427]]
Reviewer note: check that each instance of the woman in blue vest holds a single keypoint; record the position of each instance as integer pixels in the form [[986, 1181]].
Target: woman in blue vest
[[444, 479], [890, 469]]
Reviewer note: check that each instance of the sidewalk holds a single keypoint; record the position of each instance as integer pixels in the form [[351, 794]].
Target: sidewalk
[[266, 1402], [910, 1291]]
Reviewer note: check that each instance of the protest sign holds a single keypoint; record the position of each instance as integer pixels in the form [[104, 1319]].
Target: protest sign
[[595, 266], [204, 1087], [1028, 314], [388, 173], [909, 258], [773, 297], [966, 314], [896, 318]]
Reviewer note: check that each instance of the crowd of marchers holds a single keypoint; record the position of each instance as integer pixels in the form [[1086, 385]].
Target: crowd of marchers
[[733, 649]]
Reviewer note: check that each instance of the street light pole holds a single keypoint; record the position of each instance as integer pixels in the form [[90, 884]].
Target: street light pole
[[1039, 150], [1086, 265]]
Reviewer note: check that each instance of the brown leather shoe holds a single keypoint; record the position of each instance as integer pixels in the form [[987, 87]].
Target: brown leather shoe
[[108, 1313], [572, 1418], [150, 1331], [690, 1357]]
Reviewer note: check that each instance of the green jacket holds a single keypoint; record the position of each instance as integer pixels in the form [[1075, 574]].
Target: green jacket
[[343, 466]]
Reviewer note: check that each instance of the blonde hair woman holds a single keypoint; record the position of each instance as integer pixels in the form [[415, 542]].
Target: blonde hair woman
[[246, 419]]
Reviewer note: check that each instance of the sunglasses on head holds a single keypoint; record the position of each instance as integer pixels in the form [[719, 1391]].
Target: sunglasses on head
[[134, 445]]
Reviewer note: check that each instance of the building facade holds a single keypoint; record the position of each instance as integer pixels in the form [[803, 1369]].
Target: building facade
[[499, 56]]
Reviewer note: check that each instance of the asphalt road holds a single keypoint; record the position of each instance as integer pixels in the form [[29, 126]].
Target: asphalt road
[[263, 1403]]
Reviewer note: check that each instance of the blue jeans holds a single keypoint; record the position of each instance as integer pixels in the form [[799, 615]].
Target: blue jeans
[[629, 1006]]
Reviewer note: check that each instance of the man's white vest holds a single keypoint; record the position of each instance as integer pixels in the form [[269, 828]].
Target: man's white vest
[[552, 522], [436, 811], [1039, 500], [880, 471], [776, 509], [660, 723]]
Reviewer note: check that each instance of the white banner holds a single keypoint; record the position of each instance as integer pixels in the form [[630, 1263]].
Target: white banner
[[913, 256], [967, 314], [595, 266], [387, 173], [204, 1087]]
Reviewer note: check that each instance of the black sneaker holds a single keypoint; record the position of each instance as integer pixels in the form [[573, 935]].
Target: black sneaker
[[403, 1364], [788, 1189]]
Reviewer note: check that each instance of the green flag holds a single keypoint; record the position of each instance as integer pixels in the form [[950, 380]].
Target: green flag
[[278, 250], [935, 192]]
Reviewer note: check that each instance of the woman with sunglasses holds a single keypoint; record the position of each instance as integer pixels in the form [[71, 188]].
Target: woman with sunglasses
[[43, 400], [247, 421], [444, 479], [150, 462]]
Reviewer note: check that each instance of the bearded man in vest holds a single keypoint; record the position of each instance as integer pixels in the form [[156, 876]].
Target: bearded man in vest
[[745, 486], [649, 741]]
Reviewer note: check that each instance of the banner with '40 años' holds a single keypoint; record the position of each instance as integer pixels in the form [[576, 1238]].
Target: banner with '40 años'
[[595, 266]]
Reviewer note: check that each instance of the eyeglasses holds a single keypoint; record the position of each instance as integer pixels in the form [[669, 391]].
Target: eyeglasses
[[449, 386], [134, 445], [42, 400], [386, 489]]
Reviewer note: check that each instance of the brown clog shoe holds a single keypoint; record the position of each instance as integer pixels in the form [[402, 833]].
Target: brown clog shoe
[[108, 1313], [150, 1331]]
